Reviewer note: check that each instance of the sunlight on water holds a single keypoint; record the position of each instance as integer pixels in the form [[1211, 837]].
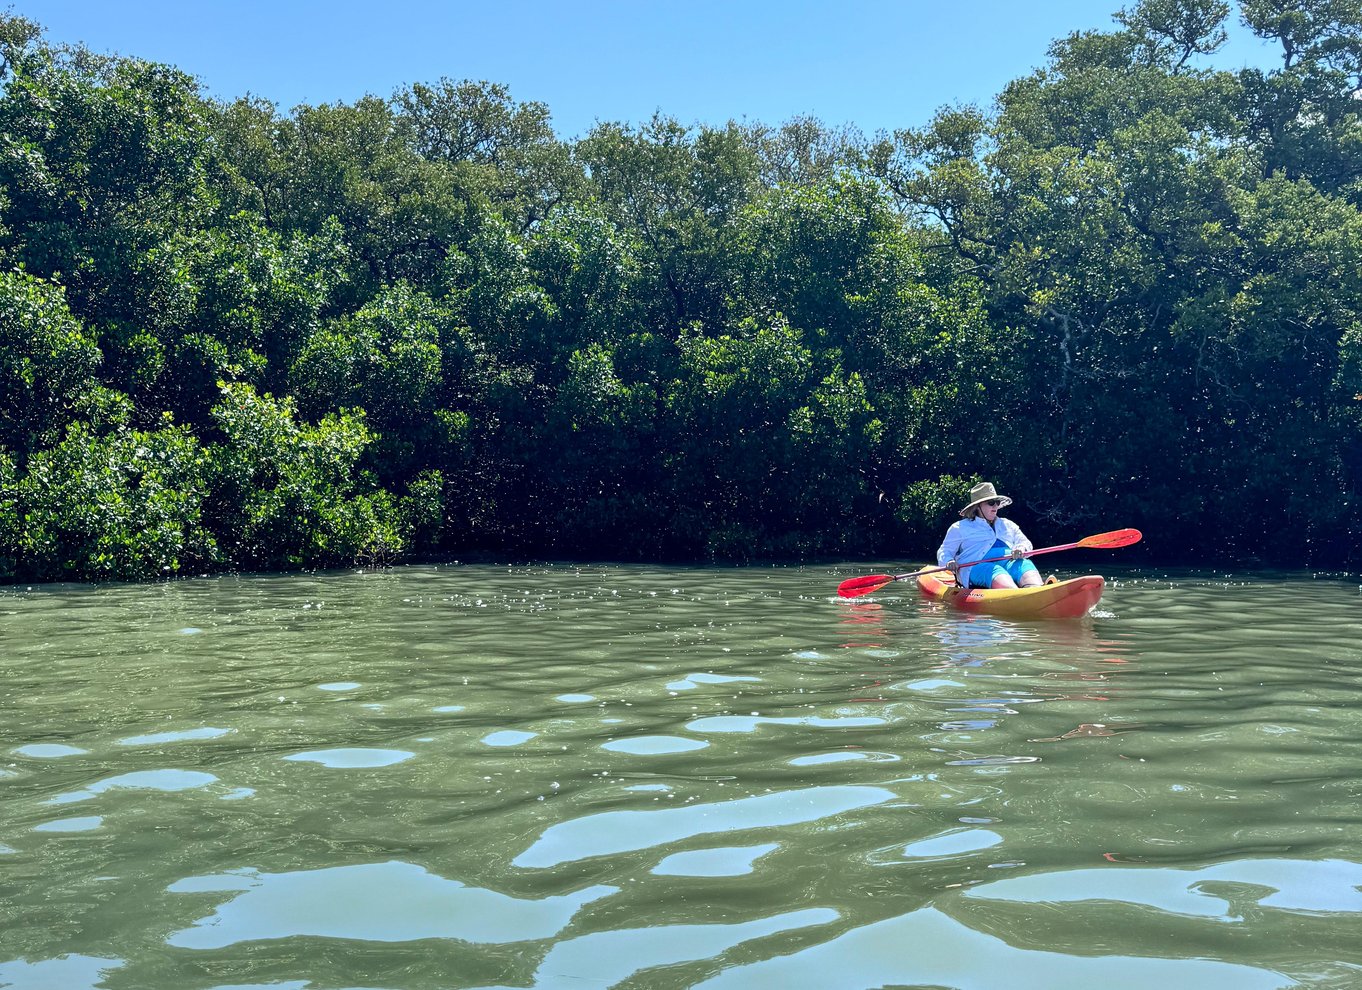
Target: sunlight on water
[[595, 776]]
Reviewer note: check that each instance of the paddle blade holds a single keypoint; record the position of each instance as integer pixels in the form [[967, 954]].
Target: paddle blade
[[855, 587], [1109, 541]]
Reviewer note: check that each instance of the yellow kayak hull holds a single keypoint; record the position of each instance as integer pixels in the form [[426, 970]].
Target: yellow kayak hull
[[1070, 599]]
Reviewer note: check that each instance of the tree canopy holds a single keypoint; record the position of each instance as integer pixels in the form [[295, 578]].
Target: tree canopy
[[1129, 292]]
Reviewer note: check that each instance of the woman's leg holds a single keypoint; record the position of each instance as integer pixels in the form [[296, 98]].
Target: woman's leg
[[1016, 573]]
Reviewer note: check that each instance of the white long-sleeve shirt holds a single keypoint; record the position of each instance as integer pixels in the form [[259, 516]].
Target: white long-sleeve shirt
[[972, 539]]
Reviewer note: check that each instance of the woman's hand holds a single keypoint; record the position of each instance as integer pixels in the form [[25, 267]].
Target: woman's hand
[[1018, 554]]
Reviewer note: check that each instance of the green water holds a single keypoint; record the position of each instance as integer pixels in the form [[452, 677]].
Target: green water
[[601, 776]]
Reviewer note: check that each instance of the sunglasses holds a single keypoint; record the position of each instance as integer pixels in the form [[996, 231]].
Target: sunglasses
[[995, 502]]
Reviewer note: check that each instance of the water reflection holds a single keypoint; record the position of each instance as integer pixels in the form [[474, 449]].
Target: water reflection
[[69, 972], [49, 751], [865, 625], [142, 780], [842, 756], [176, 735], [930, 948], [352, 758], [339, 686], [977, 640], [625, 831], [86, 823], [974, 640], [1026, 658], [507, 737], [727, 861], [376, 902], [692, 681], [606, 959], [749, 723], [1091, 730], [1325, 886], [653, 745], [953, 842]]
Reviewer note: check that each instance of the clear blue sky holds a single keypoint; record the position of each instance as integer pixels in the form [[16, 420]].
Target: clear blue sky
[[876, 64]]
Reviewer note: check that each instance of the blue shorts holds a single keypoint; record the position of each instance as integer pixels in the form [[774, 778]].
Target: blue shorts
[[982, 575]]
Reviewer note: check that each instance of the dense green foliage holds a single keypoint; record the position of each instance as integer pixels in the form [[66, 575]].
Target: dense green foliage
[[1130, 294]]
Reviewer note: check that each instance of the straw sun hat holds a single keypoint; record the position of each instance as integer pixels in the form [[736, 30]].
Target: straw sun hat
[[984, 492]]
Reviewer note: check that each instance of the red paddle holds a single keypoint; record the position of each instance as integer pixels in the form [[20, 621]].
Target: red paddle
[[855, 587]]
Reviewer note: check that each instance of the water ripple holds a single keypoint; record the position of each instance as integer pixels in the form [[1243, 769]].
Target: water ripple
[[946, 953], [661, 777], [376, 902], [69, 972], [624, 831], [1326, 886], [141, 780], [728, 861], [352, 758], [605, 959]]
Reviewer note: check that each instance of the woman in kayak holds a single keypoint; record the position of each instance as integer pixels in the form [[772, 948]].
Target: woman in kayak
[[982, 533]]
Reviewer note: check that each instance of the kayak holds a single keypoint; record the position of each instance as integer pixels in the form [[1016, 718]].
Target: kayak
[[1061, 600]]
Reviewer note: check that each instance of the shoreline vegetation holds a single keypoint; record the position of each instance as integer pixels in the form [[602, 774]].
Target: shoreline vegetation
[[424, 327]]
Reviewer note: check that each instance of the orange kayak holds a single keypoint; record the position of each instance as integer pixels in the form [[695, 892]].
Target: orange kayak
[[1061, 600]]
